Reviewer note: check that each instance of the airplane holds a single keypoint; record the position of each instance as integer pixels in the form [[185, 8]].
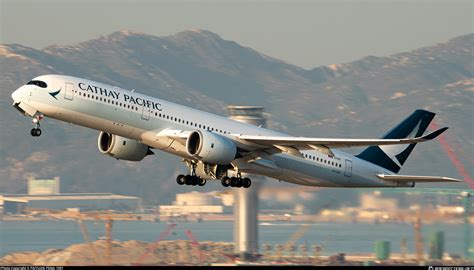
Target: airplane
[[213, 147]]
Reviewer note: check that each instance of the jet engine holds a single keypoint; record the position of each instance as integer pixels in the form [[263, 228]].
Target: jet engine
[[122, 148], [211, 148]]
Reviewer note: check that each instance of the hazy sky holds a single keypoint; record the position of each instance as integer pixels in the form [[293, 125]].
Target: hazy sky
[[305, 33]]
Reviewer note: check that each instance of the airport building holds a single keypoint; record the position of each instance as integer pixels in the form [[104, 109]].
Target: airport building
[[194, 203], [19, 203], [44, 194]]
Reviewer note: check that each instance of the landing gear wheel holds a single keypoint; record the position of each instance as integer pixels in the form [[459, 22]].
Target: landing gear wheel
[[238, 183], [188, 180], [35, 132], [225, 181], [195, 180], [201, 182], [233, 181], [246, 182], [180, 179]]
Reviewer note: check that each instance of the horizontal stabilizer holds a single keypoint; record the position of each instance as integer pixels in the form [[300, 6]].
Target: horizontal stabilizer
[[416, 178]]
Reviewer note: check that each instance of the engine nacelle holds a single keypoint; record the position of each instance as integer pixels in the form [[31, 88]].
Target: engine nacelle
[[122, 148], [211, 148]]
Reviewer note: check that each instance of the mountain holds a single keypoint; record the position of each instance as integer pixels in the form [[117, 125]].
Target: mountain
[[197, 68]]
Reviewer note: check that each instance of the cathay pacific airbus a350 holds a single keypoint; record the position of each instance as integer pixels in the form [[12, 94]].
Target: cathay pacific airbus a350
[[131, 125]]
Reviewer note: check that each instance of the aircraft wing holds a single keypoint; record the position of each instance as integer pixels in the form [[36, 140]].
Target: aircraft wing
[[293, 144], [416, 178], [308, 143]]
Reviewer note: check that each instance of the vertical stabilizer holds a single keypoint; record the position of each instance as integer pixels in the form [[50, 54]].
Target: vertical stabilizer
[[392, 157]]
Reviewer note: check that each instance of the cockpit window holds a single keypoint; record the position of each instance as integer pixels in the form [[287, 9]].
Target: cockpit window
[[38, 83]]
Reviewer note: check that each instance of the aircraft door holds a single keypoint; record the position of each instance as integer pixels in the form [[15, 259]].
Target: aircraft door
[[348, 171], [69, 91], [145, 113]]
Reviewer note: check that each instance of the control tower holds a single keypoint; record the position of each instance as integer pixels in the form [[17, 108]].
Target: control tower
[[246, 199]]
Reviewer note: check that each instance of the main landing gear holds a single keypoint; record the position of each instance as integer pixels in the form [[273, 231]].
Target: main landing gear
[[36, 131], [236, 181], [192, 179]]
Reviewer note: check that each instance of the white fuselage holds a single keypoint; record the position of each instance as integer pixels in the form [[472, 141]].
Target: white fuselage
[[140, 117]]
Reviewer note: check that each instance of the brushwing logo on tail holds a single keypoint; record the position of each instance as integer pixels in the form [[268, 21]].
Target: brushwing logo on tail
[[392, 151], [54, 94]]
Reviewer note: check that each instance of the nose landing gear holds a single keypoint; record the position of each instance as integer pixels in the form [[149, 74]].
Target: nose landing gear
[[36, 131]]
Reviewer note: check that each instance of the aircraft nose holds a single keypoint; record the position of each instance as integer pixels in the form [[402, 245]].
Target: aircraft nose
[[16, 95]]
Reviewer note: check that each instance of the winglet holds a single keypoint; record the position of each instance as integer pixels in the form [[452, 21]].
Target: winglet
[[435, 134]]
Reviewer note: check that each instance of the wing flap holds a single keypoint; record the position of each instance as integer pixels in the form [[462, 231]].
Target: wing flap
[[416, 178]]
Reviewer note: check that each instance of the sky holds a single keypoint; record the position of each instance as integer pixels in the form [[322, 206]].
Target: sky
[[303, 33]]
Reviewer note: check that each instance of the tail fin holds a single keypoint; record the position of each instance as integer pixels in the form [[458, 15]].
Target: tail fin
[[392, 157]]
